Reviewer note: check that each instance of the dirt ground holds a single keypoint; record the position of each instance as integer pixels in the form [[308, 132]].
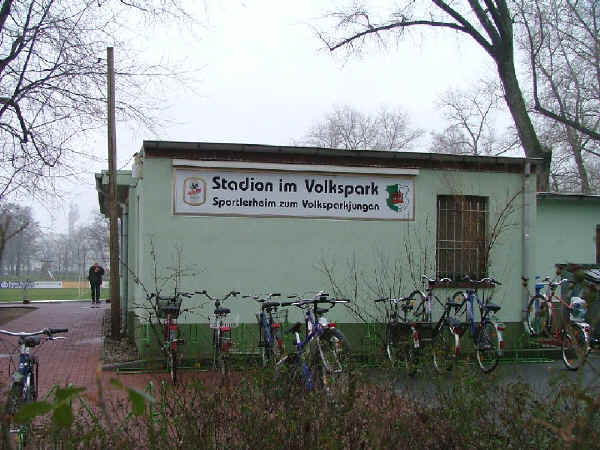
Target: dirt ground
[[8, 313]]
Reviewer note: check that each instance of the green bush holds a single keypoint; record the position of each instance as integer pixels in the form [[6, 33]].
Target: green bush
[[465, 410]]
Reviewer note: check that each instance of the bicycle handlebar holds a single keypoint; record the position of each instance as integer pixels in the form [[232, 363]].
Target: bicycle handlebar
[[46, 331], [262, 299], [332, 302], [482, 281], [58, 330], [392, 300], [207, 295]]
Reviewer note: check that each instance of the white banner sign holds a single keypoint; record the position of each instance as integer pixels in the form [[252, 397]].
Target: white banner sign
[[30, 284], [293, 194]]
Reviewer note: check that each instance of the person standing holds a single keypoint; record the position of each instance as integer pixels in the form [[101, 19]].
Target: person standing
[[95, 276]]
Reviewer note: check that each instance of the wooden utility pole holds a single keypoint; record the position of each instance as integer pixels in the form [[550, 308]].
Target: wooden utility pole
[[115, 295]]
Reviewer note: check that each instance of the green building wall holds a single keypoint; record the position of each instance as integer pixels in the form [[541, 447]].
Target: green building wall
[[256, 255], [566, 231]]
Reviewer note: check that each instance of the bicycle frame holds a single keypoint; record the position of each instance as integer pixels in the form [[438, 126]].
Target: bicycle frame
[[396, 320], [314, 330], [222, 341], [425, 307], [26, 376], [471, 296], [267, 323], [549, 295], [316, 325]]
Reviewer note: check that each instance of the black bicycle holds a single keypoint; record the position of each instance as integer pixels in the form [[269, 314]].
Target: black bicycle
[[445, 342], [24, 382], [401, 335], [409, 323]]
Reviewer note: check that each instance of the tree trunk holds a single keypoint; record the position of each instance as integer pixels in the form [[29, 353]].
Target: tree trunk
[[575, 144], [518, 109]]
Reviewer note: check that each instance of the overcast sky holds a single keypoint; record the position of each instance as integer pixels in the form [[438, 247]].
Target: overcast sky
[[262, 76]]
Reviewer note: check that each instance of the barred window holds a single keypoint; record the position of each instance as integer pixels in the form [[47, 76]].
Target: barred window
[[461, 247]]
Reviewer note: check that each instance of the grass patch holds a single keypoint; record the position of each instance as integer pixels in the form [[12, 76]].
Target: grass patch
[[16, 295]]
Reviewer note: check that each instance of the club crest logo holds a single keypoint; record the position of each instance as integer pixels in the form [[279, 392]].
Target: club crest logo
[[194, 191], [399, 197]]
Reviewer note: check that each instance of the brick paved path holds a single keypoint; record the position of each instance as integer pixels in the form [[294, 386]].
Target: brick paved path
[[78, 358], [72, 360]]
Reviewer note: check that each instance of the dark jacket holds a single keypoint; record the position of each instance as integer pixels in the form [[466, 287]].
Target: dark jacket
[[96, 277]]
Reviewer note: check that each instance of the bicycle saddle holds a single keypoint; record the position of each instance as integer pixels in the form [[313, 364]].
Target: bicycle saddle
[[455, 323], [492, 307], [170, 308], [267, 305], [32, 341], [295, 328], [220, 311]]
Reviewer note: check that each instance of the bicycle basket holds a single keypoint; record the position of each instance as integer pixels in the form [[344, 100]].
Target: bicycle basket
[[281, 316], [231, 323], [168, 305], [578, 309]]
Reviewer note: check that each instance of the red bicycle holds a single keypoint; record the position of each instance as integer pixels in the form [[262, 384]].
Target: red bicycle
[[563, 326], [168, 310]]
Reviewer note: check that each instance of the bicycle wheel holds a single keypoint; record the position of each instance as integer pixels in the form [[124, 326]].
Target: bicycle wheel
[[218, 362], [538, 316], [574, 347], [288, 372], [269, 350], [400, 348], [393, 348], [16, 434], [488, 343], [331, 357], [420, 312], [172, 364], [276, 349], [442, 348]]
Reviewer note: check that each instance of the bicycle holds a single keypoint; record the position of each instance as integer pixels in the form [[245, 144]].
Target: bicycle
[[319, 357], [401, 335], [423, 299], [168, 310], [445, 339], [571, 332], [24, 381], [221, 336], [270, 318], [487, 333], [403, 332]]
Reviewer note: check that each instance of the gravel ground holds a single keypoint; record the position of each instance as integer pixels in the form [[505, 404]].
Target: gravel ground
[[116, 351]]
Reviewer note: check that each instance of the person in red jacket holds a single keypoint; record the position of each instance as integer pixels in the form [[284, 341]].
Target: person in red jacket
[[95, 276]]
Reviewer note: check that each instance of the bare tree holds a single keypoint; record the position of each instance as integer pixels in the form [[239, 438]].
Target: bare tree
[[13, 221], [562, 39], [473, 115], [488, 22], [349, 129], [53, 78], [95, 234]]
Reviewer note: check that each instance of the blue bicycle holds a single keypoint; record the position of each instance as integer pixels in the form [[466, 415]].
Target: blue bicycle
[[24, 383], [270, 318], [487, 332], [319, 357]]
